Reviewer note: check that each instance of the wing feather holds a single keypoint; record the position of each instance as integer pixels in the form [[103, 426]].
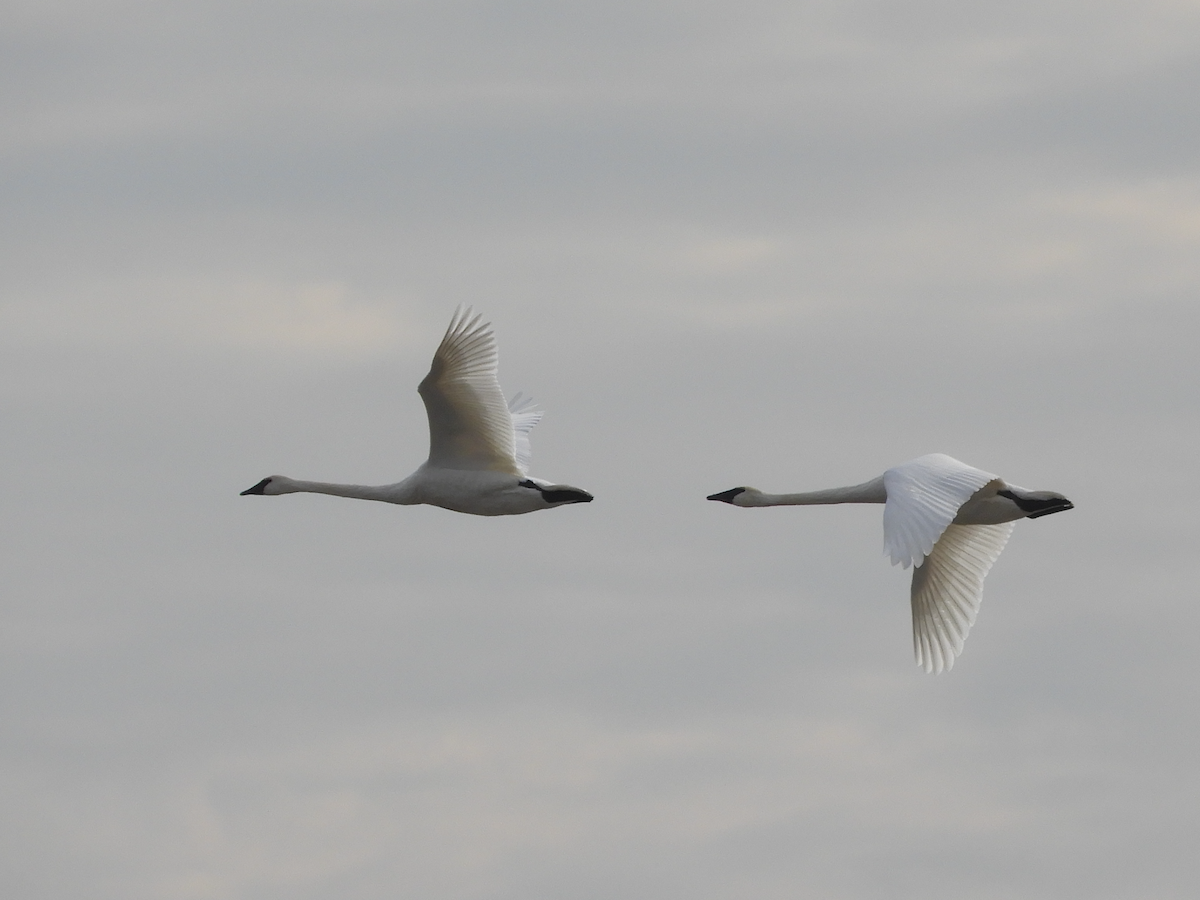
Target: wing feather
[[923, 497], [524, 416], [948, 587], [470, 426]]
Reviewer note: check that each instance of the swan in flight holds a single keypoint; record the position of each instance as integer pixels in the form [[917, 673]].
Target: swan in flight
[[478, 444], [946, 519]]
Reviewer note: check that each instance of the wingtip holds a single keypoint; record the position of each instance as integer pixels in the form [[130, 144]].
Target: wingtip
[[463, 320]]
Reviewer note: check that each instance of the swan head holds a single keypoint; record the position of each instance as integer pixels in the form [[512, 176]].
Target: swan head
[[1036, 504], [738, 496], [556, 494], [272, 486], [1043, 503], [561, 494]]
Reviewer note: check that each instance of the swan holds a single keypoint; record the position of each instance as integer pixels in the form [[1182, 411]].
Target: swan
[[478, 445], [946, 519]]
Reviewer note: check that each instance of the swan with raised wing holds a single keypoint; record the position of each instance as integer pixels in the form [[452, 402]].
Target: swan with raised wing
[[478, 444], [946, 519]]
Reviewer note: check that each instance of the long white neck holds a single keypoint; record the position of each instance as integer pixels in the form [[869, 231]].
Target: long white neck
[[388, 493], [871, 491]]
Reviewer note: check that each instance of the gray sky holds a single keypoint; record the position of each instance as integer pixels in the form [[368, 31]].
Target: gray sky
[[777, 244]]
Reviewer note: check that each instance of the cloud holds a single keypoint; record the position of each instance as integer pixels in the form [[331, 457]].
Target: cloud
[[781, 244], [311, 318]]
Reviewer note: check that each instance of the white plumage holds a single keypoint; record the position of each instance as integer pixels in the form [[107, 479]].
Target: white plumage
[[478, 445], [948, 520]]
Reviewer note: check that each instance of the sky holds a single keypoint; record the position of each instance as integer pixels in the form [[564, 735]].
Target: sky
[[779, 244]]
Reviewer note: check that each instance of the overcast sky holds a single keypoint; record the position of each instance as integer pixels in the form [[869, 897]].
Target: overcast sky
[[784, 244]]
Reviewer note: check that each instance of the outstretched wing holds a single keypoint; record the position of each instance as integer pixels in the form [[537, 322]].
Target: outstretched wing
[[947, 588], [470, 426], [524, 416], [923, 497]]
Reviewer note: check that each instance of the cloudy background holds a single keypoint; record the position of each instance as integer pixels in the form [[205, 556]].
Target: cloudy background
[[768, 243]]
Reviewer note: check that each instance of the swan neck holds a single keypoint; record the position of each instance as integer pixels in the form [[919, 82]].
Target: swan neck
[[871, 491], [387, 493]]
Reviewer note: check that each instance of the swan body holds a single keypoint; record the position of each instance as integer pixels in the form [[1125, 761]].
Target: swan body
[[478, 444], [947, 520]]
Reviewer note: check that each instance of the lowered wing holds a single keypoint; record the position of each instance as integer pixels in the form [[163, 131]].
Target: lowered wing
[[947, 589]]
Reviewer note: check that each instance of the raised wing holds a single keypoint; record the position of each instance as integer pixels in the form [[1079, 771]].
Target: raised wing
[[470, 426], [947, 589], [923, 497]]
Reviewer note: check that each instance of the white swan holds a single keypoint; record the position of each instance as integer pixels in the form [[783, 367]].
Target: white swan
[[478, 445], [948, 520]]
